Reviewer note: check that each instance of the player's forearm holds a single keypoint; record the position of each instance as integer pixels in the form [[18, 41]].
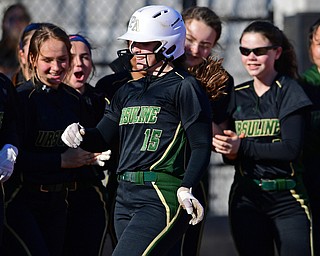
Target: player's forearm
[[199, 137], [288, 149], [99, 139]]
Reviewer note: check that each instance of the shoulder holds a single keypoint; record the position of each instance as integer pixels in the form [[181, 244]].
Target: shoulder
[[25, 88], [244, 85], [288, 85], [64, 88], [290, 95]]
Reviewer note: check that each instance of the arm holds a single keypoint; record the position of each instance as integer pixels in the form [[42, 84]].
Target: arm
[[292, 129], [96, 139], [199, 137]]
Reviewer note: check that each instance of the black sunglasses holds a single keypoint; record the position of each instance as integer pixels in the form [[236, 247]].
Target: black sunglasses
[[257, 51]]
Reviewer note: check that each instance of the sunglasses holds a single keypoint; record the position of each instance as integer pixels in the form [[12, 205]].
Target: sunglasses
[[257, 51]]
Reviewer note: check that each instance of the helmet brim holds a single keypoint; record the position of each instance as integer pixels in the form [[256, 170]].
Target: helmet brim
[[136, 37]]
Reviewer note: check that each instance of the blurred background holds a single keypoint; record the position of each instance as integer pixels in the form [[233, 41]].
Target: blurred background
[[102, 21]]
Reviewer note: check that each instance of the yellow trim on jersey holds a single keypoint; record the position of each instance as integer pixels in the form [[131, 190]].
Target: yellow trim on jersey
[[242, 87], [168, 148], [278, 83]]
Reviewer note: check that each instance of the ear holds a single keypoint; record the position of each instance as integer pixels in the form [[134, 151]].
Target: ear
[[22, 57], [278, 52], [31, 59]]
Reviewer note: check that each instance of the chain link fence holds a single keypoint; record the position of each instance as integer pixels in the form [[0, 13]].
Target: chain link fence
[[102, 21]]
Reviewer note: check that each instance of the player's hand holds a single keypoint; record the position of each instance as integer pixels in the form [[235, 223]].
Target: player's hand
[[227, 144], [76, 157], [8, 156], [104, 156], [72, 135], [190, 204]]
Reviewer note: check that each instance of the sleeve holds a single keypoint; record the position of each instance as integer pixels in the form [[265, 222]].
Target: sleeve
[[102, 137], [288, 149], [199, 138], [193, 102], [196, 119]]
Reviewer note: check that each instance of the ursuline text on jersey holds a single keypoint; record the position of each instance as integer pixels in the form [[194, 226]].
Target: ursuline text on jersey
[[49, 139], [258, 127], [139, 115]]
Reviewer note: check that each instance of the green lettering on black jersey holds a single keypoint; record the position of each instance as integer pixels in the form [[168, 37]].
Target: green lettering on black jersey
[[139, 115], [258, 127]]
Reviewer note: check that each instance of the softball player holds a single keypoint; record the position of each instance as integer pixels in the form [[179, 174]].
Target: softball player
[[267, 200], [47, 170], [311, 152], [157, 118]]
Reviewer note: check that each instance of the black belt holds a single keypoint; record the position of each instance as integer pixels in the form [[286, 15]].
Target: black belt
[[276, 184], [71, 186], [138, 177]]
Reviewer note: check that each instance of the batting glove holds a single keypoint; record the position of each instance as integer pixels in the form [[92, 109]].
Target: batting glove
[[190, 204], [104, 156], [8, 156], [72, 135]]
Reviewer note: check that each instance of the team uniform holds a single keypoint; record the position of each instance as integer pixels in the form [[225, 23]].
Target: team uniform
[[267, 200], [38, 212], [311, 152], [152, 116], [8, 128]]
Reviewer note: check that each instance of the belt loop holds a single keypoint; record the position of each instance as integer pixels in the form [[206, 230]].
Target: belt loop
[[140, 178]]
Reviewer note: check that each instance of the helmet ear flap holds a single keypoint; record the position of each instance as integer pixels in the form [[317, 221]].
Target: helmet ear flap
[[159, 55]]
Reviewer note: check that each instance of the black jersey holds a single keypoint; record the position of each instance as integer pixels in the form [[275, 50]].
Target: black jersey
[[44, 114], [153, 115], [259, 118]]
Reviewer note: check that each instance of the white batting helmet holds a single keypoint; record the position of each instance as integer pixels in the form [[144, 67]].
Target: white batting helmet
[[161, 24]]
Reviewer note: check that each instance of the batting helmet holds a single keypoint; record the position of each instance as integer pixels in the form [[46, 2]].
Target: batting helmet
[[158, 23]]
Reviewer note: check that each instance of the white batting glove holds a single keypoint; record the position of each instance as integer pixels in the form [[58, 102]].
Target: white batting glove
[[104, 156], [8, 156], [72, 135], [190, 204]]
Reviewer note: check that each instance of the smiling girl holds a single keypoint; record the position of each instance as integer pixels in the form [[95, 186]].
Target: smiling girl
[[266, 204], [46, 170]]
